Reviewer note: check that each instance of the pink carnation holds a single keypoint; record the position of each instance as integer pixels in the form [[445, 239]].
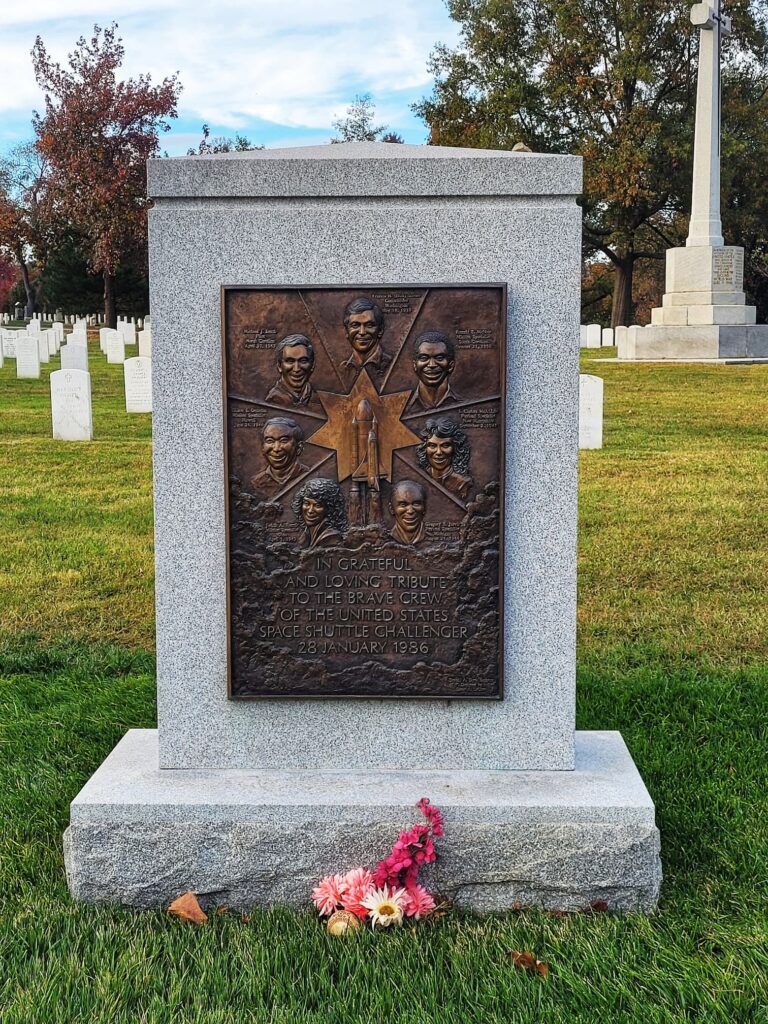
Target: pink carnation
[[328, 895], [418, 902], [357, 878], [359, 884]]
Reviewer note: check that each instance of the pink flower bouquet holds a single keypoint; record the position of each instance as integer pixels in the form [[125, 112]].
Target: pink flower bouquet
[[390, 893]]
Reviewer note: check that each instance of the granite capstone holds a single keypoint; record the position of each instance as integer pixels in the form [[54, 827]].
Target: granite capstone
[[365, 170]]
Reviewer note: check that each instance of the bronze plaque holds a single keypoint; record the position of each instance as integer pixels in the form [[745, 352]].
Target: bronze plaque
[[364, 452]]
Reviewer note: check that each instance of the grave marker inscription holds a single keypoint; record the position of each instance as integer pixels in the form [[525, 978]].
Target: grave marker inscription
[[10, 339], [71, 409], [138, 384], [27, 357], [115, 348]]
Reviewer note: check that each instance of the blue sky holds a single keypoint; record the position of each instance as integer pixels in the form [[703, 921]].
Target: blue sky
[[277, 71]]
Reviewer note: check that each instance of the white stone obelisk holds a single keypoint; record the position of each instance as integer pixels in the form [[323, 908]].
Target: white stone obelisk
[[705, 227], [703, 313]]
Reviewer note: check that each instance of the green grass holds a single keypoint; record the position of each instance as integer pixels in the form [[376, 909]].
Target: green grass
[[672, 651], [76, 519]]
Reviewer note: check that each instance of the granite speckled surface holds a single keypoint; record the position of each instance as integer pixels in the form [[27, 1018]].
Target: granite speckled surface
[[366, 169], [142, 836], [197, 245]]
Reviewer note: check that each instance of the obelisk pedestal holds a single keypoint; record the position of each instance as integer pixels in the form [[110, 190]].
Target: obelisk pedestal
[[703, 313]]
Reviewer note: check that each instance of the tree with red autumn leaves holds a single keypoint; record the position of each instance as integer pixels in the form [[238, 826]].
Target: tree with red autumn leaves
[[13, 236], [96, 135], [8, 273]]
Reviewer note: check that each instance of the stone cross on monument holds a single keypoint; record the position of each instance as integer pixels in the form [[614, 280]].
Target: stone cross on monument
[[705, 227], [703, 314]]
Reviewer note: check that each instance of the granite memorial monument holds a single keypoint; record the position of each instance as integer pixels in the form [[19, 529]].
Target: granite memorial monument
[[349, 385]]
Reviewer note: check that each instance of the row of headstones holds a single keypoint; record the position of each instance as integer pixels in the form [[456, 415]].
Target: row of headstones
[[71, 405], [113, 342], [91, 319], [31, 347], [595, 336]]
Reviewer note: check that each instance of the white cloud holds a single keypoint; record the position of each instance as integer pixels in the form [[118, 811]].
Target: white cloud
[[296, 63]]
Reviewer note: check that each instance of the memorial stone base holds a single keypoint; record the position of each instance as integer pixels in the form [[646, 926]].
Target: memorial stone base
[[703, 315], [141, 835]]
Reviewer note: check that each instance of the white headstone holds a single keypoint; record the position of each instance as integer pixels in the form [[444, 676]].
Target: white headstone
[[71, 405], [77, 337], [138, 384], [128, 331], [50, 337], [145, 343], [115, 348], [33, 327], [620, 335], [626, 342], [105, 333], [590, 411], [594, 336], [42, 346], [582, 336], [10, 339], [74, 357], [607, 338], [27, 357]]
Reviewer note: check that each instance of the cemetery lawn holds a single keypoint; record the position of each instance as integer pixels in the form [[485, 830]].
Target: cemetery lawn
[[673, 651]]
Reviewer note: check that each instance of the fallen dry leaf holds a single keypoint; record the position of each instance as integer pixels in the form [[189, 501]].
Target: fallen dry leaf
[[527, 962], [222, 910], [598, 907], [188, 909], [442, 907], [245, 919]]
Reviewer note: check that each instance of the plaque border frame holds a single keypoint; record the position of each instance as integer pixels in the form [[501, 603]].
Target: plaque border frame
[[502, 354]]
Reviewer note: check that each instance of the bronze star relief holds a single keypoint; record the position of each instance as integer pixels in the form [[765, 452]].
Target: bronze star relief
[[340, 433]]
